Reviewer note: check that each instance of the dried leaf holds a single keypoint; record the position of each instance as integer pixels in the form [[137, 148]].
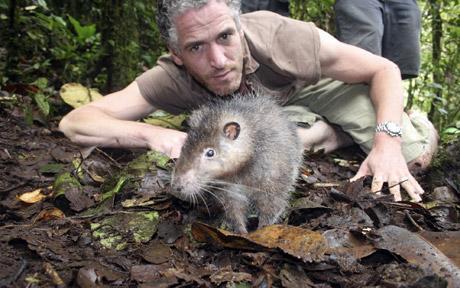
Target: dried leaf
[[301, 243], [32, 197], [229, 276], [49, 214], [57, 280], [156, 253], [292, 276]]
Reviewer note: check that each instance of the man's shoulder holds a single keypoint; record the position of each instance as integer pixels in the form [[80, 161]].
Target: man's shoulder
[[281, 43], [260, 18]]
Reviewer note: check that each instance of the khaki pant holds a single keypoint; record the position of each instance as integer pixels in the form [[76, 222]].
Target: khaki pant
[[350, 107]]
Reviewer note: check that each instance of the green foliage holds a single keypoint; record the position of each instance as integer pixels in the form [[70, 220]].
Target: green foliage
[[56, 47], [106, 44], [318, 11], [51, 39], [40, 98], [437, 90]]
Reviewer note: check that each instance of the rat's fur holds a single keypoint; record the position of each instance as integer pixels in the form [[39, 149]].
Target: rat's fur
[[256, 158]]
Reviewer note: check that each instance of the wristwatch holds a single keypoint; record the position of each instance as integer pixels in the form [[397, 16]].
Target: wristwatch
[[391, 128]]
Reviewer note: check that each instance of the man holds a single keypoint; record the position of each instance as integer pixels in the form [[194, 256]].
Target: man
[[213, 54]]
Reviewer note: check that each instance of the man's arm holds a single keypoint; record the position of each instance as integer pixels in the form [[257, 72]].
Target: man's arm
[[353, 65], [110, 122]]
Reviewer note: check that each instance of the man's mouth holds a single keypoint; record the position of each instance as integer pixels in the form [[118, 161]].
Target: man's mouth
[[221, 75]]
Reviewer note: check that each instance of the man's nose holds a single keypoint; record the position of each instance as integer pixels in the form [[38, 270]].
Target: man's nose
[[217, 56]]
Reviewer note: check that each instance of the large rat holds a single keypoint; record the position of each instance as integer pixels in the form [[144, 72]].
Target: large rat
[[242, 153]]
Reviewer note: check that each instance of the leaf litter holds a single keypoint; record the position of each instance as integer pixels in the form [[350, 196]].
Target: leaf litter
[[107, 219]]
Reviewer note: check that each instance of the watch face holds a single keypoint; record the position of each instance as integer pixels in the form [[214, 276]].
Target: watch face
[[393, 127]]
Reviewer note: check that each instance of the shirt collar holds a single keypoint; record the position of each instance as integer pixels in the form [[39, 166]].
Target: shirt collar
[[250, 64]]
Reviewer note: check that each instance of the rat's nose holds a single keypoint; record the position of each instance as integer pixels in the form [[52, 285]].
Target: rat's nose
[[177, 187]]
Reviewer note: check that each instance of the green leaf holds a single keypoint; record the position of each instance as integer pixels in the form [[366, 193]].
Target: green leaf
[[52, 168], [64, 182], [114, 190], [59, 20], [167, 121], [451, 130], [83, 32], [115, 232], [41, 83], [146, 162], [77, 95], [42, 103], [42, 3], [28, 116]]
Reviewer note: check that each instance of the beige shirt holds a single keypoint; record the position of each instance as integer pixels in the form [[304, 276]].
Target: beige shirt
[[281, 57]]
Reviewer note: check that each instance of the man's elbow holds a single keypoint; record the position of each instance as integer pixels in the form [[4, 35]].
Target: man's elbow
[[65, 126], [389, 65]]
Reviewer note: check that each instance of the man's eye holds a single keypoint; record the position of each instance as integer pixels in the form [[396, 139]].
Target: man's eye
[[195, 48], [225, 36]]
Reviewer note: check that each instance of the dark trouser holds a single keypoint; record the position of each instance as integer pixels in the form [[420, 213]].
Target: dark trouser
[[278, 6], [390, 28]]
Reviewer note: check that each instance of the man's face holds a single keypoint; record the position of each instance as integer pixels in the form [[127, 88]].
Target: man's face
[[211, 47]]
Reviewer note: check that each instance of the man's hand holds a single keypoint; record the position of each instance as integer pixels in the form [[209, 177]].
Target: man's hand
[[387, 164], [168, 141]]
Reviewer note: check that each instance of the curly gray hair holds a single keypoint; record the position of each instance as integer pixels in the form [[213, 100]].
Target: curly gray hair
[[168, 10]]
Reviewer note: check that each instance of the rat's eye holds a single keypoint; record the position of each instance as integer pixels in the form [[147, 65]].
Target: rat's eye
[[209, 153]]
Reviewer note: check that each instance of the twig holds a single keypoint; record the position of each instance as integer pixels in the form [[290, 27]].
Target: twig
[[84, 217], [14, 278], [413, 221], [389, 187], [109, 157], [325, 185], [14, 187]]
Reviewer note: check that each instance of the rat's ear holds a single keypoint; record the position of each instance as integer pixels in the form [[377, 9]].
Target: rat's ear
[[232, 130]]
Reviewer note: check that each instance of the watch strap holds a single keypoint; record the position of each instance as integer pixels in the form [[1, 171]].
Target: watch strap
[[390, 128]]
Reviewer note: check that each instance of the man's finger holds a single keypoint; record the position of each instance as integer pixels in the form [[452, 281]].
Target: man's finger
[[411, 190], [418, 189], [377, 184], [356, 177], [363, 171], [395, 190]]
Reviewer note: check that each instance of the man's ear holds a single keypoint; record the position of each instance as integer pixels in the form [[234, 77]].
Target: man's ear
[[175, 57]]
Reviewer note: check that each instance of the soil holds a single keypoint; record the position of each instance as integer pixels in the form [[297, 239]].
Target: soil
[[363, 239]]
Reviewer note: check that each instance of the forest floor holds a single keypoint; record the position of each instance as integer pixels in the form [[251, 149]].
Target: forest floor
[[104, 219]]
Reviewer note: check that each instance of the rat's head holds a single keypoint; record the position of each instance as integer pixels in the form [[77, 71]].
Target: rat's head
[[216, 149]]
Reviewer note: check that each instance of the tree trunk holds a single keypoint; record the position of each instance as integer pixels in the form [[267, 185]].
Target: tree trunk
[[436, 26], [120, 37], [11, 44], [410, 95]]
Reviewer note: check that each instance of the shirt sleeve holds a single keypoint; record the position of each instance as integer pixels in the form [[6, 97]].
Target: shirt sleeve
[[165, 87]]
